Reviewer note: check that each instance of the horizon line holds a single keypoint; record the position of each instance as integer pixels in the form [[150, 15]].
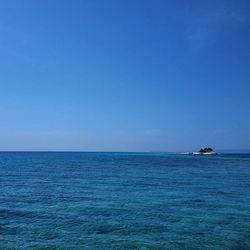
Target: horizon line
[[238, 151]]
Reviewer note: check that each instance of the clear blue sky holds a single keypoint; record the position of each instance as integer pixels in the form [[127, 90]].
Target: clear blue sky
[[130, 75]]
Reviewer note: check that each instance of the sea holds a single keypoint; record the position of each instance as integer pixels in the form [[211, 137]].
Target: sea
[[66, 200]]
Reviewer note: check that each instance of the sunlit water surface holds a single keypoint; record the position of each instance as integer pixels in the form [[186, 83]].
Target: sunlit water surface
[[124, 201]]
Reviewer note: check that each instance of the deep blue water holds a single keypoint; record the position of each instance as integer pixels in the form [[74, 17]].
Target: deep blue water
[[124, 201]]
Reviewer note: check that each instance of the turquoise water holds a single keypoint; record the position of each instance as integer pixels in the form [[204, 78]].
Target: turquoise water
[[124, 201]]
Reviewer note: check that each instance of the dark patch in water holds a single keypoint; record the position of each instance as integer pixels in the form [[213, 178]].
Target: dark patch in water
[[103, 230], [192, 202], [239, 246], [5, 230], [221, 193], [8, 213]]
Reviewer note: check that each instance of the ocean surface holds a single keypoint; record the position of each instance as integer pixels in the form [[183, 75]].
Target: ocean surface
[[124, 201]]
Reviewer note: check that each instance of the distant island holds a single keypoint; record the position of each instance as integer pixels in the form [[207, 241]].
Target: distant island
[[206, 150], [202, 151]]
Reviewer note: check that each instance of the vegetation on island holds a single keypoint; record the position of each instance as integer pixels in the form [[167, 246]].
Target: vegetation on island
[[206, 150]]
